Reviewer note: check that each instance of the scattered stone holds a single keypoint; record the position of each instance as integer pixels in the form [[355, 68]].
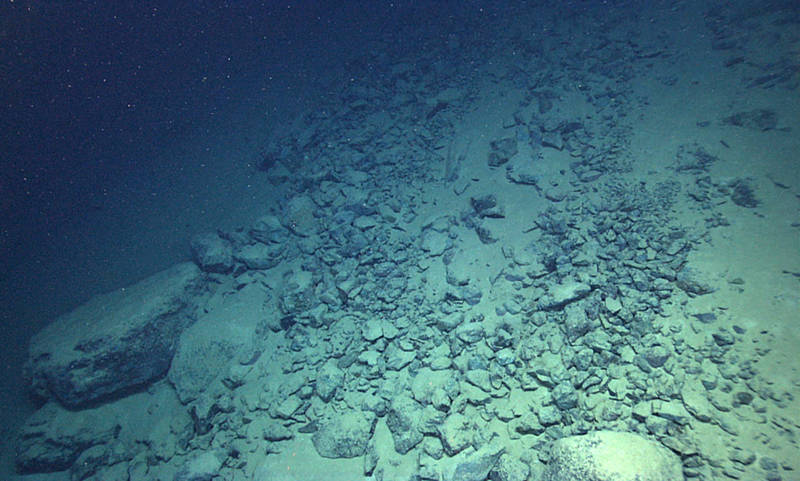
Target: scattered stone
[[486, 206], [434, 242], [742, 194], [549, 416], [523, 170], [656, 356], [553, 139], [509, 468], [298, 216]]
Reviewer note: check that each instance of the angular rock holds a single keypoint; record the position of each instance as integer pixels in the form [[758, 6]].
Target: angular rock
[[329, 379], [611, 456], [565, 396], [212, 253], [501, 151], [562, 294], [435, 243], [553, 139], [260, 256], [403, 421], [470, 333], [522, 170], [299, 216], [344, 435], [456, 433], [116, 341], [693, 282], [509, 468], [473, 465], [268, 229]]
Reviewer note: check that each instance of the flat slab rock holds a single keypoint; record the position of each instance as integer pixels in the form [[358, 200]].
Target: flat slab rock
[[611, 456], [115, 341]]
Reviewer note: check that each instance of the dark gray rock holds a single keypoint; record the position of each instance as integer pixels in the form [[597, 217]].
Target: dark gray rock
[[116, 341], [486, 206], [501, 151], [212, 253], [611, 456], [656, 355], [473, 465], [743, 195], [344, 435], [693, 282], [549, 416], [564, 396], [403, 420]]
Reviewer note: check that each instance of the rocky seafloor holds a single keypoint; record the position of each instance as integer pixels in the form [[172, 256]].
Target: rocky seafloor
[[436, 303]]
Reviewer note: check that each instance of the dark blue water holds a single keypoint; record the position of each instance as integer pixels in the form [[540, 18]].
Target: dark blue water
[[93, 93]]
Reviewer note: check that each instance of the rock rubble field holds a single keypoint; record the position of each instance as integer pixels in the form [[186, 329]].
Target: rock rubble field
[[482, 262]]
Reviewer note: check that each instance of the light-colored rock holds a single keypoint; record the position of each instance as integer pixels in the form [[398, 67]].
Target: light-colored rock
[[611, 456]]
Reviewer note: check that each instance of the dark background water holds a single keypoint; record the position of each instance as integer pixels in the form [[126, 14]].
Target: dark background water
[[94, 93], [107, 110]]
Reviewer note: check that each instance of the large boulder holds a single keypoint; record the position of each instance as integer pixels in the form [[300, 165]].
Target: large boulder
[[611, 456], [116, 341], [223, 338], [344, 435]]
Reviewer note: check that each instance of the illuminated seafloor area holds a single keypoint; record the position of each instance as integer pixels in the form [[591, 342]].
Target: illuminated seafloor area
[[554, 242]]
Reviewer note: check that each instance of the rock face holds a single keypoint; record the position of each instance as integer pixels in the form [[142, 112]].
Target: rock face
[[115, 341], [611, 456], [53, 438]]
